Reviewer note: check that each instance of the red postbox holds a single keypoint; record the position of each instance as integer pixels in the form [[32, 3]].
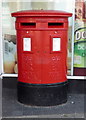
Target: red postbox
[[42, 55]]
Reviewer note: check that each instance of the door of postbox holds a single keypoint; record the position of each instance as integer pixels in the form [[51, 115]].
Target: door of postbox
[[42, 56]]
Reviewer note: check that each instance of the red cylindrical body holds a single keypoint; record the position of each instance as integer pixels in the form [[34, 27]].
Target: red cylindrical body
[[42, 46]]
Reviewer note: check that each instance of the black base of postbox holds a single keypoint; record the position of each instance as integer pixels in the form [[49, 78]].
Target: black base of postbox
[[42, 95]]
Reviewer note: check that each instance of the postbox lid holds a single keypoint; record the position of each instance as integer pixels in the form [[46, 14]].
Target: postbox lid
[[26, 13]]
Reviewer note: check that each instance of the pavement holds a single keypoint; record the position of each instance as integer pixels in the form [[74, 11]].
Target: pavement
[[11, 108], [0, 98]]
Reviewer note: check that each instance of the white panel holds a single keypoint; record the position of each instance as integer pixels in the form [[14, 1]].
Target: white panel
[[27, 44], [56, 44], [68, 77], [72, 46]]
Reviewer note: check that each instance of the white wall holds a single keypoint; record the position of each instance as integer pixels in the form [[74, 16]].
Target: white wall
[[1, 44]]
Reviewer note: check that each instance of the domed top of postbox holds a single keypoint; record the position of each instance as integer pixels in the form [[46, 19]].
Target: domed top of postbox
[[27, 13]]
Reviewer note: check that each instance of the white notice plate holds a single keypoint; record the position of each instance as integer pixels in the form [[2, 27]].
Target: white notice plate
[[27, 44], [56, 44]]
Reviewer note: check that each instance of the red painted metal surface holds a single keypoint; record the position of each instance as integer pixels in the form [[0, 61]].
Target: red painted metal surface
[[42, 65], [41, 13]]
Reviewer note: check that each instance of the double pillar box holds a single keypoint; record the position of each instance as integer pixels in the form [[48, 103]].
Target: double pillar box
[[42, 56]]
